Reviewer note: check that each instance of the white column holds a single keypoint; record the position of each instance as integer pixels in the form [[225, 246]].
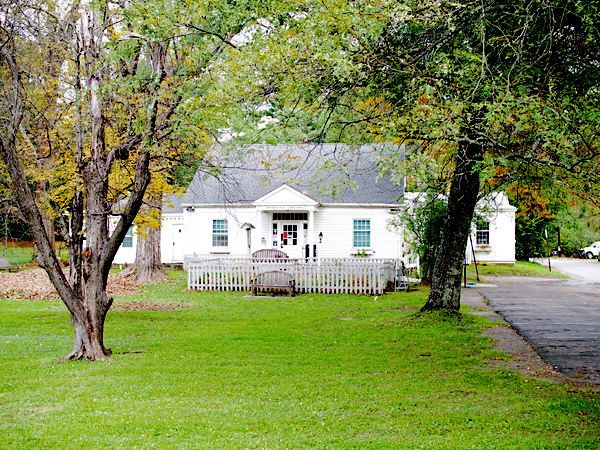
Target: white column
[[311, 231], [264, 230]]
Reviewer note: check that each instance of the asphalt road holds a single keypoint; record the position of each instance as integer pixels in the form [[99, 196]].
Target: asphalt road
[[560, 318], [585, 270]]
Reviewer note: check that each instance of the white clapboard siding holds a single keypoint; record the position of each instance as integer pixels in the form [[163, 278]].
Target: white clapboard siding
[[328, 275]]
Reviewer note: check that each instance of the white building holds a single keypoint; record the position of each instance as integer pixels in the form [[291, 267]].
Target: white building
[[171, 234], [323, 200], [493, 237]]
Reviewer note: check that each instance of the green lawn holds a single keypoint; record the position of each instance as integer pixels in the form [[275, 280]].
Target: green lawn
[[313, 371], [520, 268], [17, 256], [22, 255]]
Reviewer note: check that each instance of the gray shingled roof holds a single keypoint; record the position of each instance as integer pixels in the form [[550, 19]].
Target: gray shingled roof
[[327, 173], [172, 203]]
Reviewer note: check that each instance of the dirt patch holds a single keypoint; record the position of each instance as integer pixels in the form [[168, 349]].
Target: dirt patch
[[524, 358], [34, 284], [266, 296], [148, 306]]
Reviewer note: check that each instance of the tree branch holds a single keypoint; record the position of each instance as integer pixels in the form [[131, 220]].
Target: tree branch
[[211, 33]]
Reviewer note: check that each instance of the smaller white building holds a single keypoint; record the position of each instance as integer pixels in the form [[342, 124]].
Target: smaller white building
[[171, 234], [493, 236]]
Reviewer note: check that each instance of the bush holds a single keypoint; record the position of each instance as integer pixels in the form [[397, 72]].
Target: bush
[[426, 227]]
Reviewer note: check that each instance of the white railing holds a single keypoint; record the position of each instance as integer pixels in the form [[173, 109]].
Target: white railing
[[327, 275], [194, 257]]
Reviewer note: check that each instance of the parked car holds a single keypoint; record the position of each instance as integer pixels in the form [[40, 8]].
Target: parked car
[[591, 251]]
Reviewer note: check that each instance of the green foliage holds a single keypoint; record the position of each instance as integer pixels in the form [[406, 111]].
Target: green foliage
[[11, 227], [193, 35], [529, 237], [425, 223], [578, 227], [550, 208], [428, 74], [575, 228], [310, 372]]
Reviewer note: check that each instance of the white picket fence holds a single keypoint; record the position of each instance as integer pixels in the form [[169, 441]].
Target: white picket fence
[[327, 275]]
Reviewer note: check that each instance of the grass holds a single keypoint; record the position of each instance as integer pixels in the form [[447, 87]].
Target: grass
[[313, 371], [23, 254], [18, 256], [520, 268]]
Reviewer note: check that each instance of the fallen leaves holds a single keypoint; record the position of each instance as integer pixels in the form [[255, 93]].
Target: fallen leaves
[[34, 284]]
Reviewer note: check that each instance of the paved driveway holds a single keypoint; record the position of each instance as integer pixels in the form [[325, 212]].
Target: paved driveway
[[584, 270], [560, 318]]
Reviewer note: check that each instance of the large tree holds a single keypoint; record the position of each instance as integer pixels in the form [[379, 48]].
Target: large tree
[[134, 72], [485, 93], [84, 292]]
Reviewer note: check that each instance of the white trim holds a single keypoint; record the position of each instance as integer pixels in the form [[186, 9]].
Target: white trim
[[217, 205], [251, 205], [304, 202], [288, 208], [361, 205], [219, 233]]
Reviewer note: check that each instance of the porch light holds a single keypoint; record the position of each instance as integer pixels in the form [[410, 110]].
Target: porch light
[[320, 237]]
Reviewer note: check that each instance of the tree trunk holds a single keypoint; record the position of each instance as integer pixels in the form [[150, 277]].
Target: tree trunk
[[48, 224], [88, 311], [447, 272], [147, 267], [89, 327], [84, 292], [89, 334]]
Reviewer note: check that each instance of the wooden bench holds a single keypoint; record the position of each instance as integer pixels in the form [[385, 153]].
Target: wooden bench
[[274, 281], [269, 253]]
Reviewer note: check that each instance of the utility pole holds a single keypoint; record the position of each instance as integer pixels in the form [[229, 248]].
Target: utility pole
[[547, 249]]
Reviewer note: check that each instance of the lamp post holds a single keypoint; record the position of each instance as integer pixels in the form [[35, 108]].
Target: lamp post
[[248, 227], [318, 255]]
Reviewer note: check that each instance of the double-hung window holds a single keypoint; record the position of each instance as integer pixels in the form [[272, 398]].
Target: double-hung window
[[482, 235], [361, 233], [220, 237], [128, 239]]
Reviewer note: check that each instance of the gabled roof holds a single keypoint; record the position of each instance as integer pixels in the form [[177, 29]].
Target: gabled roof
[[285, 196], [326, 173], [172, 203]]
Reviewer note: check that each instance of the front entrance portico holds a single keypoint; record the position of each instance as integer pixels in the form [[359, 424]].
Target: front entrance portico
[[291, 221]]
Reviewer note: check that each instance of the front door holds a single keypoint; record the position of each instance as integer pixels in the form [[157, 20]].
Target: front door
[[290, 239], [176, 242]]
